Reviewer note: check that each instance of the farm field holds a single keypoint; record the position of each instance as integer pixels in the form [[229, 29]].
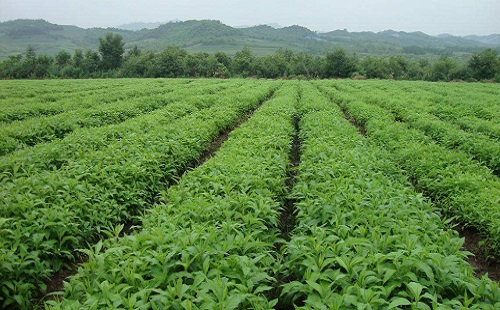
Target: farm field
[[247, 194]]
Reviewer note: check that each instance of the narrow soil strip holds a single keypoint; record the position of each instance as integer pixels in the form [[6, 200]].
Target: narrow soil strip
[[481, 261], [353, 122], [287, 216], [223, 136], [56, 282]]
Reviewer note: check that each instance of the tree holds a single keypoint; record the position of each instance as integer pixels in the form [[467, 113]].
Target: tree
[[168, 63], [196, 64], [339, 64], [461, 73], [375, 67], [272, 66], [43, 66], [62, 58], [134, 52], [111, 50], [29, 63], [285, 53], [303, 64], [30, 52], [138, 66], [484, 64], [78, 58], [12, 67], [443, 69], [244, 62], [223, 59], [75, 70], [90, 63], [398, 67], [420, 70]]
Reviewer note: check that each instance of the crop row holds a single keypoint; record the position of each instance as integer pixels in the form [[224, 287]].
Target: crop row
[[458, 100], [363, 238], [47, 214], [474, 114], [76, 96], [412, 110], [58, 153], [32, 131], [44, 90], [458, 184], [474, 125], [481, 147], [453, 100], [473, 107], [12, 110], [211, 244]]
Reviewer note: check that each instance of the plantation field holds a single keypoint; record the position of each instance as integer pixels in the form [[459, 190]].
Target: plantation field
[[247, 194]]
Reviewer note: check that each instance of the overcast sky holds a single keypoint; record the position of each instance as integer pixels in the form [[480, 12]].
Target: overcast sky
[[458, 17]]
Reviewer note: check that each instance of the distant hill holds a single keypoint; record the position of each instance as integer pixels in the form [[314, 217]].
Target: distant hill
[[492, 39], [274, 25], [138, 26], [47, 38], [211, 36]]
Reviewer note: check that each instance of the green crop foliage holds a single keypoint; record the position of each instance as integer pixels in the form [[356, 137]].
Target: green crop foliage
[[55, 204], [364, 239], [365, 221], [210, 244], [416, 111], [461, 186], [109, 106]]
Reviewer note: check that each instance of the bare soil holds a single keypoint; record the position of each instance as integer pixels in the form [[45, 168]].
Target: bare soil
[[480, 261]]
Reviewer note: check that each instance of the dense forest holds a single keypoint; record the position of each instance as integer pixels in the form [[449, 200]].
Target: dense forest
[[111, 60]]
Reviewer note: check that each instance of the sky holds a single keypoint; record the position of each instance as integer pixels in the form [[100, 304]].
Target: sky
[[457, 17]]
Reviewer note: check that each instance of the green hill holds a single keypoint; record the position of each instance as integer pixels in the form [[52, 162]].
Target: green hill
[[211, 36]]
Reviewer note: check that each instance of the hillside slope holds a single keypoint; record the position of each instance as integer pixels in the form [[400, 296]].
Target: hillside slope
[[211, 36]]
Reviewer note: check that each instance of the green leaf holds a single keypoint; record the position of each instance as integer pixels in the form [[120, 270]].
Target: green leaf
[[397, 302], [233, 301], [262, 288], [416, 289]]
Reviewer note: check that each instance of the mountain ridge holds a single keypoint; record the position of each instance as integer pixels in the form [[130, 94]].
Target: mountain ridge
[[213, 35], [138, 26]]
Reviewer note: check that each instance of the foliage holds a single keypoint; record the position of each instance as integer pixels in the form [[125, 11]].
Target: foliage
[[443, 69], [484, 65], [339, 64], [62, 58], [244, 62], [370, 215], [111, 50], [375, 68], [168, 63], [209, 244], [210, 36], [60, 195], [363, 238], [283, 63], [464, 187]]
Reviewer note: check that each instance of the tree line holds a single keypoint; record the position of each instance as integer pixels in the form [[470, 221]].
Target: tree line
[[110, 60]]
